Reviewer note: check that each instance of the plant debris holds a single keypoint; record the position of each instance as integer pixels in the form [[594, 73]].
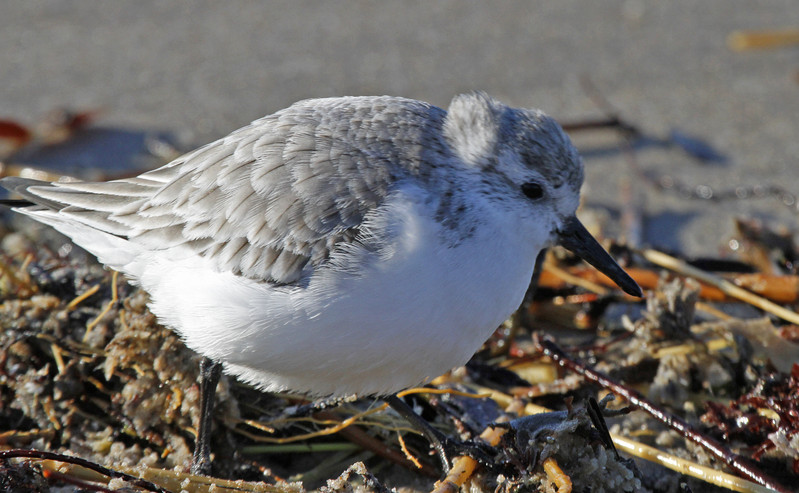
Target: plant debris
[[101, 380], [95, 395]]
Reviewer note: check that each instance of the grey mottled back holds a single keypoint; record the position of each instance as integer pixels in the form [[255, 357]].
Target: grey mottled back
[[273, 197]]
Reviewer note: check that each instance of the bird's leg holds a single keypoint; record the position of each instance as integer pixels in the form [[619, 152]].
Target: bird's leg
[[444, 445], [210, 371], [435, 437]]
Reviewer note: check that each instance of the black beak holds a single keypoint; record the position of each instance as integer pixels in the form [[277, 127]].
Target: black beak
[[579, 241]]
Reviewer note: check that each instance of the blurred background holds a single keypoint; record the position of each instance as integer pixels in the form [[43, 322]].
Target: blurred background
[[711, 120]]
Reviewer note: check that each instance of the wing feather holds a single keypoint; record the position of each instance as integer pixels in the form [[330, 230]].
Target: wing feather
[[271, 200]]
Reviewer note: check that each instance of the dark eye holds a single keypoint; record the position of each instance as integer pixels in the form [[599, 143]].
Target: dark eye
[[533, 190]]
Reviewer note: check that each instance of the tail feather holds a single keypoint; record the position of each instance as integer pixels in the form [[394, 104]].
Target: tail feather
[[20, 186], [114, 251], [84, 218], [16, 203], [72, 199]]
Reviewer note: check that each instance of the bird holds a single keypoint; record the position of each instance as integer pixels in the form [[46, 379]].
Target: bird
[[341, 246]]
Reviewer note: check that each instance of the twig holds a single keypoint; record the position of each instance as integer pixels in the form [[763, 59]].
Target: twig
[[728, 288], [682, 466], [611, 121], [18, 437], [556, 475], [463, 467], [368, 442], [82, 297], [573, 279], [407, 452], [66, 478], [608, 109], [759, 40], [338, 426], [638, 449], [167, 480], [42, 455], [111, 303], [592, 286], [733, 460]]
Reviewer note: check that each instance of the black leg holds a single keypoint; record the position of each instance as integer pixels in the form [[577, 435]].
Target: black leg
[[598, 420], [435, 437], [210, 371]]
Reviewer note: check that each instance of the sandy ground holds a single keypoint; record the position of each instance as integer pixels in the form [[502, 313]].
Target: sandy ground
[[194, 72]]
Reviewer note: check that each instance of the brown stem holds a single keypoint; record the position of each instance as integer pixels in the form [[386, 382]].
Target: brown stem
[[736, 462], [40, 454]]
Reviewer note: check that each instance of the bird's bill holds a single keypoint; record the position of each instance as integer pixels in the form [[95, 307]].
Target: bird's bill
[[579, 241]]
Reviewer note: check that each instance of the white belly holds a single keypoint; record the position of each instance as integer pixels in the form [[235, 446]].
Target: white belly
[[413, 314]]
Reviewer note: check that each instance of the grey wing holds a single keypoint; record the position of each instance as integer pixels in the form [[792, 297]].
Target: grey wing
[[269, 201]]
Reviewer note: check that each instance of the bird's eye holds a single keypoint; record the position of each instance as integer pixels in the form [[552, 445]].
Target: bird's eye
[[532, 190]]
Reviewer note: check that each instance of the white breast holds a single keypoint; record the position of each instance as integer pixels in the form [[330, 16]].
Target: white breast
[[420, 309]]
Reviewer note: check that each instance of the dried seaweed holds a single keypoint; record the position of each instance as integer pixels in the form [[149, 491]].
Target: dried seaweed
[[86, 370]]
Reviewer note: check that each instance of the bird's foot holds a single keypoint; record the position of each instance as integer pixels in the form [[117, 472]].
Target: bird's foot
[[446, 448], [201, 465], [478, 450]]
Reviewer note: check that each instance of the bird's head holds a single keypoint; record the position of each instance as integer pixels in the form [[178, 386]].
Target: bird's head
[[526, 158]]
